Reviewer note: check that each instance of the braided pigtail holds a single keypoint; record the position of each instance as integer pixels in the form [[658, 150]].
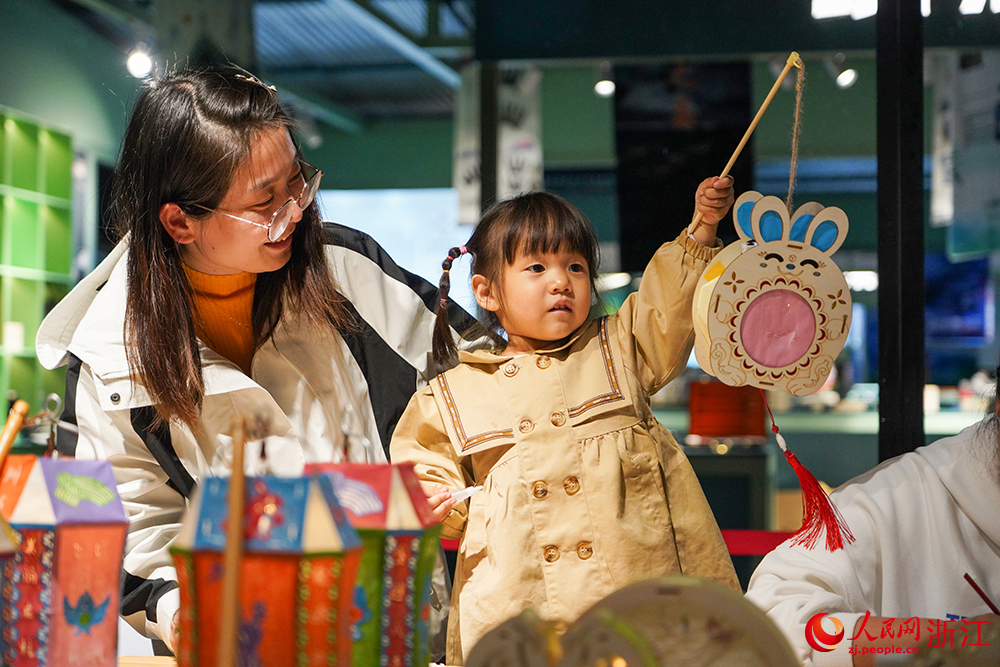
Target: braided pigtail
[[443, 347]]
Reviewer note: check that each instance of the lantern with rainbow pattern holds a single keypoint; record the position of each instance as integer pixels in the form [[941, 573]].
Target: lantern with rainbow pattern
[[297, 574], [387, 506]]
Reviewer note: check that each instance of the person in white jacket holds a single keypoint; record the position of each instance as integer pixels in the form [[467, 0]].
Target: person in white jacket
[[226, 296], [922, 521]]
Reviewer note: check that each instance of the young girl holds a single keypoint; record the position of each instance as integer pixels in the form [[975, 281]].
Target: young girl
[[583, 490]]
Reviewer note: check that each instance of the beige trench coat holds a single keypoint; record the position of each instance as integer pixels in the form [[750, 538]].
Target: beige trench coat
[[584, 491]]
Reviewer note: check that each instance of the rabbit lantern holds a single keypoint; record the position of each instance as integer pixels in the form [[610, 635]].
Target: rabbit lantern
[[772, 310]]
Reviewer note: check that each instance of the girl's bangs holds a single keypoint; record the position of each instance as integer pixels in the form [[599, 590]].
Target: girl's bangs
[[549, 232]]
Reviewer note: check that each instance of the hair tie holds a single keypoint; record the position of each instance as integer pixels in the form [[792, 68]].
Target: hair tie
[[444, 303], [462, 250]]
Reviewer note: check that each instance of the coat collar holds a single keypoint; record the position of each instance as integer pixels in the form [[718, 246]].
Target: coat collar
[[496, 357]]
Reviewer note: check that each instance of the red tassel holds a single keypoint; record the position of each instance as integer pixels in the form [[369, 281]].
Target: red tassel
[[819, 514]]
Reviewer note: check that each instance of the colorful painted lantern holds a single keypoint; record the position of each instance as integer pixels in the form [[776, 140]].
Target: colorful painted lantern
[[387, 506], [298, 571], [60, 591]]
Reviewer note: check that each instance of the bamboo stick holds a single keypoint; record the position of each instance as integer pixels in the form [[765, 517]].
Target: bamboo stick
[[15, 420], [233, 554], [793, 61]]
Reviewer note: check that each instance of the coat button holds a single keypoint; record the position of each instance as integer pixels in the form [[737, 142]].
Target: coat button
[[572, 485], [543, 362], [550, 554], [525, 426], [558, 419], [116, 398], [510, 370], [584, 550], [539, 490]]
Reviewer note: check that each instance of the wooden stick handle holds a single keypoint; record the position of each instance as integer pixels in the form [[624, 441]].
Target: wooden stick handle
[[230, 612], [793, 61], [15, 420]]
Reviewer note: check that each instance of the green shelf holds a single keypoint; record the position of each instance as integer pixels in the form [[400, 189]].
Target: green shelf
[[36, 239]]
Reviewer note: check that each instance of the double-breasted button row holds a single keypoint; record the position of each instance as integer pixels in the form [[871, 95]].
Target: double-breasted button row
[[543, 362], [527, 426], [540, 489], [510, 370], [584, 550]]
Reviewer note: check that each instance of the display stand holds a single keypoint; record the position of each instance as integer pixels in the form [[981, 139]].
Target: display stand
[[36, 240]]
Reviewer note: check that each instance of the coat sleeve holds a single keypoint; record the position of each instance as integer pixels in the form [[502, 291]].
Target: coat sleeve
[[421, 439], [151, 499], [658, 316]]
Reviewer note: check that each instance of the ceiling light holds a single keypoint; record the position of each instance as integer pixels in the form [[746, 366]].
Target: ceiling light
[[847, 78], [972, 6], [605, 88], [860, 9], [843, 75], [139, 63], [861, 281]]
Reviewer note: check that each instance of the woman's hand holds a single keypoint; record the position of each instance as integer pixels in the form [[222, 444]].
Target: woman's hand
[[175, 632], [439, 497], [714, 198]]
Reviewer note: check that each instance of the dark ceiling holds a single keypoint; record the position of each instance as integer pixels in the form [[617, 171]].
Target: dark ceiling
[[343, 62]]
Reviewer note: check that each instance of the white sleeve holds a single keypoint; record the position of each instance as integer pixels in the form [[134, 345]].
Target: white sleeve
[[792, 584], [791, 587]]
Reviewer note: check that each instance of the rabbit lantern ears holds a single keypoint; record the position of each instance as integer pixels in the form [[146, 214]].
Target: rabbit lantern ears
[[772, 310]]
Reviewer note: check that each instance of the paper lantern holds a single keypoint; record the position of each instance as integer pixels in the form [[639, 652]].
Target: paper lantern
[[60, 591], [650, 623], [297, 574], [388, 508], [772, 310]]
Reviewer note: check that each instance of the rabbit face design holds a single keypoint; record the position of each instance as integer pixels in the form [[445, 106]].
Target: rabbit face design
[[780, 308]]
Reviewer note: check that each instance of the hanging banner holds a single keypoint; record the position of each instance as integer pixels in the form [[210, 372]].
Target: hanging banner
[[944, 69], [975, 229], [519, 138], [465, 157]]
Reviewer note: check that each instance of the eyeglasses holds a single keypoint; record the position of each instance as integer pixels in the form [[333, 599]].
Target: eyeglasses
[[281, 218]]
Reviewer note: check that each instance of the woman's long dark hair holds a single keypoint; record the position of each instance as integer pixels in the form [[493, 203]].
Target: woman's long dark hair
[[534, 222], [188, 135]]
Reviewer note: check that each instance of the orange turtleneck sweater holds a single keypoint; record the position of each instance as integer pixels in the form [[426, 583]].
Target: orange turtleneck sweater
[[223, 307]]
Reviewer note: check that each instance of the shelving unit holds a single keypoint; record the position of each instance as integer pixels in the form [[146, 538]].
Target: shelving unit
[[36, 235]]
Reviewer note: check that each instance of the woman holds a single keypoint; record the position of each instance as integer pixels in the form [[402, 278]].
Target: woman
[[923, 521], [226, 295]]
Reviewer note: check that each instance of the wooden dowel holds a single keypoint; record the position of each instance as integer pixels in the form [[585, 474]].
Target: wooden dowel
[[230, 612], [15, 420], [793, 61]]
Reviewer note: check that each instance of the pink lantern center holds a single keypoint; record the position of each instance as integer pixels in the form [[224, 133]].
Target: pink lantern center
[[778, 328]]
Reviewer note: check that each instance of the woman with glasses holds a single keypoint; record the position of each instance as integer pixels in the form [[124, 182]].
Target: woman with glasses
[[226, 296]]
